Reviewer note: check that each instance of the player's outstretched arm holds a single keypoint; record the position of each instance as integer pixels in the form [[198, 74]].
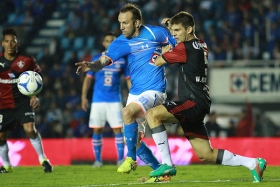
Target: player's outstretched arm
[[93, 66]]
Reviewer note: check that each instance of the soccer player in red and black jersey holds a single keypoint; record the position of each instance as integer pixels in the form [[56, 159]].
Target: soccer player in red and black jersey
[[15, 107], [190, 55]]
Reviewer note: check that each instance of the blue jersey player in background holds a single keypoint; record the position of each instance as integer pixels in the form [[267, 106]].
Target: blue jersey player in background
[[140, 45], [106, 103]]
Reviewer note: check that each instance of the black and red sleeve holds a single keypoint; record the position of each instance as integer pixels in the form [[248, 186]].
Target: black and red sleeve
[[177, 55]]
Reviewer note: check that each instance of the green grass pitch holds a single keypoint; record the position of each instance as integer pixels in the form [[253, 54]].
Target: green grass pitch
[[86, 176]]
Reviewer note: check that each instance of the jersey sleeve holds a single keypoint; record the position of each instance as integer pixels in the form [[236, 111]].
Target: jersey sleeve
[[164, 36], [177, 55], [35, 65], [90, 74], [117, 49]]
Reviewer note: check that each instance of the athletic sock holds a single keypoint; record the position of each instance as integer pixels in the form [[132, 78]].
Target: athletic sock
[[161, 139], [120, 145], [97, 146], [229, 159], [4, 154], [37, 145], [131, 136], [146, 155]]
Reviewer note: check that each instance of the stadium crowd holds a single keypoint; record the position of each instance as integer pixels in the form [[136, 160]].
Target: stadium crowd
[[233, 30]]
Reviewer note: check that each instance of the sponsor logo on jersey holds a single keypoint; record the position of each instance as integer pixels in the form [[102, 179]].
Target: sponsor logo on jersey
[[11, 75], [145, 46], [198, 45], [9, 81], [20, 64], [2, 64]]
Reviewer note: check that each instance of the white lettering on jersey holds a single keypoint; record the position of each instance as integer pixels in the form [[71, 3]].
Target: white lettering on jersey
[[2, 64]]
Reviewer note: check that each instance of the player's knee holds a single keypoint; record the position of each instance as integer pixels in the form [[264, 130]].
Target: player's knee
[[30, 131], [127, 114], [3, 141]]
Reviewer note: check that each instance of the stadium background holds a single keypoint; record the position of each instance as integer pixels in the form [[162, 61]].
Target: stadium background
[[243, 37]]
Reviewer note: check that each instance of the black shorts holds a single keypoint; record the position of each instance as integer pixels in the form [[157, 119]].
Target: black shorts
[[191, 117], [9, 118]]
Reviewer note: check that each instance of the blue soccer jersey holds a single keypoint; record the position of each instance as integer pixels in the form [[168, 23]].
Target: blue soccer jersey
[[107, 86], [140, 53]]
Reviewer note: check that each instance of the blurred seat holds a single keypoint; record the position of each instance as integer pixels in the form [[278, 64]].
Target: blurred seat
[[65, 43], [90, 42], [66, 56], [78, 43]]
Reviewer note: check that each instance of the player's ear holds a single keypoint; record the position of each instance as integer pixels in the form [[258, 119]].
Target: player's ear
[[189, 30], [137, 23]]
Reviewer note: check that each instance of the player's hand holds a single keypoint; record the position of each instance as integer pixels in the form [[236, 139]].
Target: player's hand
[[165, 21], [84, 104], [34, 102], [166, 48], [83, 67]]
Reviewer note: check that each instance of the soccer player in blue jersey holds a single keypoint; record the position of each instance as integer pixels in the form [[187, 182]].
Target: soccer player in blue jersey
[[191, 57], [106, 103], [140, 45]]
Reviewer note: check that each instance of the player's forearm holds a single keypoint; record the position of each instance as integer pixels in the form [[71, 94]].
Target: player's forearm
[[86, 85], [99, 64]]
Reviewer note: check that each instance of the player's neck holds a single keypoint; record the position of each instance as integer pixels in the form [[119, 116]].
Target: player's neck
[[137, 32], [10, 56]]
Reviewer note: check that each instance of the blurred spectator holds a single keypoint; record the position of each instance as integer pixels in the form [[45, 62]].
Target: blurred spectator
[[82, 130], [86, 56], [245, 126], [213, 128], [231, 128]]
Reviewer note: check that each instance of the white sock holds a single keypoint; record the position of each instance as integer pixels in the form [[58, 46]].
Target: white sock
[[37, 145], [4, 154], [230, 159], [161, 141]]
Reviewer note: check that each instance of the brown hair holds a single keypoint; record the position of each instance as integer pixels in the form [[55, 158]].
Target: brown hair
[[134, 9], [184, 18]]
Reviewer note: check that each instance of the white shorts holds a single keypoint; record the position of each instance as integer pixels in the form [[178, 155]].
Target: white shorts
[[102, 112], [146, 101]]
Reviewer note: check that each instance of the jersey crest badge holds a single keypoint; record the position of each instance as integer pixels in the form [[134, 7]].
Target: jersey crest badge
[[20, 64]]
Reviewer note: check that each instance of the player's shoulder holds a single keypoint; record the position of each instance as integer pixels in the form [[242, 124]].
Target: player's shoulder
[[196, 43], [26, 56], [153, 27]]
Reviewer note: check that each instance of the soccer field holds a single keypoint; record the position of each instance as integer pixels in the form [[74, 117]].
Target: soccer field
[[86, 176]]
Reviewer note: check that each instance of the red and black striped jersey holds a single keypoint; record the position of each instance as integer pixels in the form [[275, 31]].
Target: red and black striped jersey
[[192, 60], [10, 97]]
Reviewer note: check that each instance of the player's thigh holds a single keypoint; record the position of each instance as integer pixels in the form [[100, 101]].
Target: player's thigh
[[160, 113], [97, 117], [114, 114], [26, 113], [147, 99]]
